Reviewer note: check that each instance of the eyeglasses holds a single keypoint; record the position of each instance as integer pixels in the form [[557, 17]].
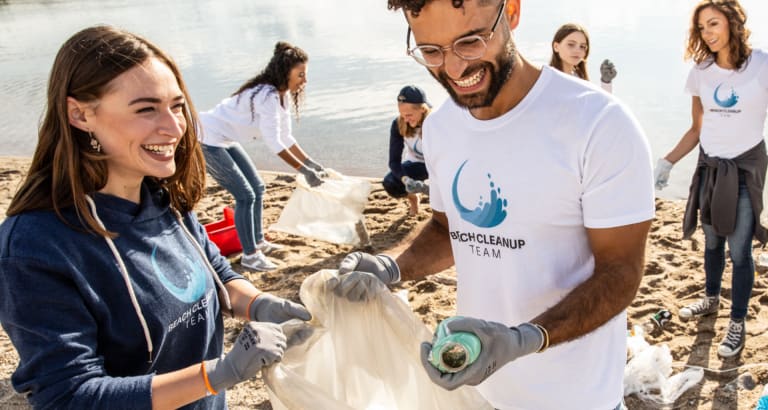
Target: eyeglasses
[[467, 48]]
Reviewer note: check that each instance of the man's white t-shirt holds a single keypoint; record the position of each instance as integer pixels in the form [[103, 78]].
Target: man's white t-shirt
[[255, 112], [518, 191], [734, 103]]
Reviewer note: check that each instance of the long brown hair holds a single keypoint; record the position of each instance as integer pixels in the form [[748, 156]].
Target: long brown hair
[[277, 72], [405, 129], [564, 31], [738, 43], [64, 167]]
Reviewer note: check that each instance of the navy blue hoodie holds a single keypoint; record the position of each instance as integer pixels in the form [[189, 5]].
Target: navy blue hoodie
[[67, 309]]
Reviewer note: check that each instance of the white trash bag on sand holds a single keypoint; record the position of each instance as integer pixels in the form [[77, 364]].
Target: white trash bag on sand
[[358, 356], [649, 372], [332, 211]]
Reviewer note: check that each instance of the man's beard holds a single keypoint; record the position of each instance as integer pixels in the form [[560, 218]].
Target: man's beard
[[505, 61]]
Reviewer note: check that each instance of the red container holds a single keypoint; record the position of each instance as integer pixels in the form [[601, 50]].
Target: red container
[[223, 233]]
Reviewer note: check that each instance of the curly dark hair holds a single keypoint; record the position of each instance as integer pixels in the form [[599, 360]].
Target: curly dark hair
[[285, 57], [415, 6], [738, 44]]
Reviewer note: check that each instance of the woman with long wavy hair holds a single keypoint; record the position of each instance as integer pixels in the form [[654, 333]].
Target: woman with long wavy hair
[[260, 107], [729, 88]]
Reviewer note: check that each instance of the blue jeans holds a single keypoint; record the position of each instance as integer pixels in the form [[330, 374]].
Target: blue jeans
[[395, 188], [740, 246], [233, 169]]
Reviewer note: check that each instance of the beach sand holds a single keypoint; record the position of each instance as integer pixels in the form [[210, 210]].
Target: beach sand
[[673, 277]]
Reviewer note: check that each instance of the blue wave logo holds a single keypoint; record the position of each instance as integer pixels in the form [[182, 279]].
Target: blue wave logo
[[416, 147], [728, 102], [195, 280], [488, 213]]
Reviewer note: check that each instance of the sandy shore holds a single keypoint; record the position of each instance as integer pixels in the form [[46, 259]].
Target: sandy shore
[[673, 277]]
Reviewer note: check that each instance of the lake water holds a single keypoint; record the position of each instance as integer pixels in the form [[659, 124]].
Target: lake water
[[357, 62]]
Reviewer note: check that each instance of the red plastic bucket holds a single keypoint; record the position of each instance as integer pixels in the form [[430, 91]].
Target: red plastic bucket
[[223, 233]]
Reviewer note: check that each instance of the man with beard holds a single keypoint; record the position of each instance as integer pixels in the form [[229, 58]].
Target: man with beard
[[542, 196]]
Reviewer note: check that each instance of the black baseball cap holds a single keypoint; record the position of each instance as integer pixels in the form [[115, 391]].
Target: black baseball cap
[[412, 95]]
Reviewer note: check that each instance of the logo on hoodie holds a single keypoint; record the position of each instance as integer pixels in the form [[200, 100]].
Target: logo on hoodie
[[193, 276], [488, 212]]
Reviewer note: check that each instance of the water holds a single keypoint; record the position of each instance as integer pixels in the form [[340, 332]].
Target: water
[[357, 62]]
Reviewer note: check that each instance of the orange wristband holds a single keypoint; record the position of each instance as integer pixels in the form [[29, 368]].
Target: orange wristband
[[248, 311], [205, 379]]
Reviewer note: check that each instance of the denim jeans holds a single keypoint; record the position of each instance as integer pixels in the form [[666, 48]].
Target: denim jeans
[[395, 187], [233, 169], [740, 246]]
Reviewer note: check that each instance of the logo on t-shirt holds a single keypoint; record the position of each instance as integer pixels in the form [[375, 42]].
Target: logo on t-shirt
[[194, 279], [727, 102], [489, 211]]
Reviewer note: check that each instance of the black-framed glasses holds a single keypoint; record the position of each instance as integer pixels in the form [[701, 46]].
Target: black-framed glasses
[[467, 48]]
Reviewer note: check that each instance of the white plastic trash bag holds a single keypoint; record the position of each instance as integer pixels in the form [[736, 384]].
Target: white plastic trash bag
[[332, 211], [358, 356]]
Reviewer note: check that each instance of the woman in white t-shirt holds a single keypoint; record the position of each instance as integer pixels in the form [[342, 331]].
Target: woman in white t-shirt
[[570, 49], [729, 88], [260, 107]]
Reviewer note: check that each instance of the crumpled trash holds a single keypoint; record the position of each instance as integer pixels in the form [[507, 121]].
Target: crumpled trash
[[648, 373]]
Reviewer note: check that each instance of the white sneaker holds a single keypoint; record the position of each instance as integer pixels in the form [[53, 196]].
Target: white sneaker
[[268, 247], [258, 262]]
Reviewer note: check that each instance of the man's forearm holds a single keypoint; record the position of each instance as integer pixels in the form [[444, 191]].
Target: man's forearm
[[425, 252]]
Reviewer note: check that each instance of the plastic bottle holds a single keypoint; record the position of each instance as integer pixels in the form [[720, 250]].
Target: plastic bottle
[[452, 352]]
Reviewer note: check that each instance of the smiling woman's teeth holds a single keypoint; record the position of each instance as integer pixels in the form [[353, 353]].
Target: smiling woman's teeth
[[159, 149], [471, 80]]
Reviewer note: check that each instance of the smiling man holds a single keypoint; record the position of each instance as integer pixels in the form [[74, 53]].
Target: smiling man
[[542, 196]]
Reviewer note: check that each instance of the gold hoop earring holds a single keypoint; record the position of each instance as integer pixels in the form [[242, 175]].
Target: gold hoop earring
[[95, 145]]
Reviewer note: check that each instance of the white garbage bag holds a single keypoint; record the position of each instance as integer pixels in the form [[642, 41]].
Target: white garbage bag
[[358, 356], [332, 211]]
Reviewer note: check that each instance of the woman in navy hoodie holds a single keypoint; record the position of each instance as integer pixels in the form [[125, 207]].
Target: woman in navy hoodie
[[110, 290]]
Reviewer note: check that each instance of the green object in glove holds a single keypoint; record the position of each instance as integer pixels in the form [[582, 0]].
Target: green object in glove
[[453, 352]]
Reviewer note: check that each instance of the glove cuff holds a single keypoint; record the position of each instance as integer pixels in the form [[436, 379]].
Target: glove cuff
[[217, 379], [534, 337], [392, 269]]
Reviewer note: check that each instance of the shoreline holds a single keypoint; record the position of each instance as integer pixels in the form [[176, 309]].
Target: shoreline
[[673, 277]]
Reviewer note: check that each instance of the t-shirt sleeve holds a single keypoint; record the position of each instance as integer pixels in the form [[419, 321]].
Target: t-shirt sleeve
[[762, 75], [618, 172], [692, 83], [435, 198]]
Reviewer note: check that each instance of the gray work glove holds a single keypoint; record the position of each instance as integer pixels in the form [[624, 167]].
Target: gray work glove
[[270, 308], [607, 71], [359, 272], [414, 186], [309, 163], [313, 177], [661, 174], [499, 346], [257, 346]]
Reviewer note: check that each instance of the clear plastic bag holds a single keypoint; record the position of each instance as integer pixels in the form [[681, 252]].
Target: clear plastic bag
[[649, 372], [332, 211], [358, 356]]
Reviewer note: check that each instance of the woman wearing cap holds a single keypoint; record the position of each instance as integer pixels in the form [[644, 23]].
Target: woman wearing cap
[[260, 107], [406, 161]]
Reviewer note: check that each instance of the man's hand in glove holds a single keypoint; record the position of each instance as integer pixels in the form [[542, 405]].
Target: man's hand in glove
[[499, 346]]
